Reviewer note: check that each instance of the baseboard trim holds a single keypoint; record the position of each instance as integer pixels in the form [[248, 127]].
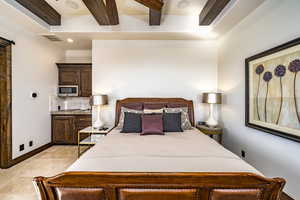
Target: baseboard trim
[[27, 155], [284, 196]]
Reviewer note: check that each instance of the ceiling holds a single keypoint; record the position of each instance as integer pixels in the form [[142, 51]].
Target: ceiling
[[180, 21], [69, 8]]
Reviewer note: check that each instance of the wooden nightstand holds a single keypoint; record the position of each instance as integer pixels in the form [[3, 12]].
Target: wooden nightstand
[[211, 131], [94, 136]]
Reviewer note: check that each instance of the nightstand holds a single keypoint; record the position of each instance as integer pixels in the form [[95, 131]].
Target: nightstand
[[94, 135], [211, 131]]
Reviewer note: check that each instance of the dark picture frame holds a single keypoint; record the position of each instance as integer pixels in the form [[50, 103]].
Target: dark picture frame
[[248, 61]]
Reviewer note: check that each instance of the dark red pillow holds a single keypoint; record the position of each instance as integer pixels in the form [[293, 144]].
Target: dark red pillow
[[177, 105], [152, 124], [154, 106], [134, 106]]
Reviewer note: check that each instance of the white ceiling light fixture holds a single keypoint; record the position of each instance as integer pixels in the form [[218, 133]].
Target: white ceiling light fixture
[[72, 4], [70, 40], [183, 4]]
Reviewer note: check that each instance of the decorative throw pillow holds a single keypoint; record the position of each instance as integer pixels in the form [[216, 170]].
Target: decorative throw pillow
[[152, 124], [133, 106], [154, 106], [132, 123], [172, 122], [185, 121], [149, 111], [121, 119]]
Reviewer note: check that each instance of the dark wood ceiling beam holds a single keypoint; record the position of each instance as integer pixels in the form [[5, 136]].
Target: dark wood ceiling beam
[[154, 17], [43, 10], [152, 4], [105, 14], [155, 9], [112, 12], [211, 10]]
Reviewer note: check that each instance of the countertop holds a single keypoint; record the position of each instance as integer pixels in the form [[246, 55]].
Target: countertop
[[72, 112]]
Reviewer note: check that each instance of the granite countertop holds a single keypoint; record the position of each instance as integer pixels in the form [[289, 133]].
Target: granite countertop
[[72, 112]]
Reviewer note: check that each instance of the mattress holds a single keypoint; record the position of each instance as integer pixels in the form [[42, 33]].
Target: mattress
[[188, 151]]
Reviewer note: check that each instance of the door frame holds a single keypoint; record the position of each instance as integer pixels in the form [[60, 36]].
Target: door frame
[[6, 104]]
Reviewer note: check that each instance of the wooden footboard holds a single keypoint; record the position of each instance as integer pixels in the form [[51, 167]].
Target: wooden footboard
[[158, 186]]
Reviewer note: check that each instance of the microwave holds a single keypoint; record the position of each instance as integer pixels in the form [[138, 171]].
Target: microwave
[[67, 91]]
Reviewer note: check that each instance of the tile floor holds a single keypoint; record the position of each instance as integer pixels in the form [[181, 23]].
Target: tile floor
[[16, 182]]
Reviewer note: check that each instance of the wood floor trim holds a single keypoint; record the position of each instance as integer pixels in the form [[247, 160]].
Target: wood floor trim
[[31, 153], [28, 155]]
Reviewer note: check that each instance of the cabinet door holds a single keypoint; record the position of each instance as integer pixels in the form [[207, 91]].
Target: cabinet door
[[81, 123], [86, 82], [63, 130], [69, 76]]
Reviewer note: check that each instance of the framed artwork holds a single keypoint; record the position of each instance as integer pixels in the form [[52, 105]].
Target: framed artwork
[[273, 91]]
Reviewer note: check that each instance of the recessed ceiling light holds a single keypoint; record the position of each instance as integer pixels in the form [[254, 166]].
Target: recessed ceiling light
[[70, 40], [72, 4], [183, 4]]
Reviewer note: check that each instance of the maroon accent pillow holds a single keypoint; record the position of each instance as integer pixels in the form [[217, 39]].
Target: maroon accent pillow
[[154, 106], [152, 124], [177, 105], [134, 106]]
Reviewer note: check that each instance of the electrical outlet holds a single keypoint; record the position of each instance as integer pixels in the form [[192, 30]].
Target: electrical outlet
[[31, 143], [243, 153], [22, 147]]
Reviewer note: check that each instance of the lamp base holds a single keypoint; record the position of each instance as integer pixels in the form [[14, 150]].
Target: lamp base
[[211, 120], [98, 124]]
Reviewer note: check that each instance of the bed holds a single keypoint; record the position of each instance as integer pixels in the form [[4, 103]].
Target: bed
[[183, 166]]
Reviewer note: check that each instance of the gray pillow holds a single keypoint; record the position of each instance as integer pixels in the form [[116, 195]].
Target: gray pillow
[[185, 120], [122, 116], [132, 123]]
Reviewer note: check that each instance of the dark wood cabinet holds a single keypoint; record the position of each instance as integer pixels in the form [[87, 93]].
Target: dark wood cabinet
[[86, 82], [65, 128], [76, 74], [68, 76]]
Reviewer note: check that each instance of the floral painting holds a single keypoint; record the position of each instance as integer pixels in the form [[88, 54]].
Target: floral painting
[[273, 91]]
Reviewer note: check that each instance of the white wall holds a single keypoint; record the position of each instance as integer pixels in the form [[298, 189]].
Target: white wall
[[33, 69], [272, 24], [153, 69], [78, 56]]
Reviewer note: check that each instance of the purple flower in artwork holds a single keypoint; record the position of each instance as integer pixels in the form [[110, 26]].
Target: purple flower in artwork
[[280, 70], [294, 65], [267, 76], [259, 69]]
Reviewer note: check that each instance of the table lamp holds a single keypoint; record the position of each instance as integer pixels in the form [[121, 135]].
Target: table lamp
[[99, 100], [211, 98]]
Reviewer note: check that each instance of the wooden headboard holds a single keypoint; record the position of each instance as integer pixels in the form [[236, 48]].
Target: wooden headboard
[[167, 101]]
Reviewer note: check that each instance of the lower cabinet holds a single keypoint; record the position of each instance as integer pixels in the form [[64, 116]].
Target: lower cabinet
[[66, 127]]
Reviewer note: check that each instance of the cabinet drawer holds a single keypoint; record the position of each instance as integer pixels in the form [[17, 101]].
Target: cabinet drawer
[[83, 121]]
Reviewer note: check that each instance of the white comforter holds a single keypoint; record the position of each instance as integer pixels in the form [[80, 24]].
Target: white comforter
[[190, 151]]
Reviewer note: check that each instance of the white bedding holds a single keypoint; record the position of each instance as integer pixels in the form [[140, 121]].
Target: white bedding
[[190, 151]]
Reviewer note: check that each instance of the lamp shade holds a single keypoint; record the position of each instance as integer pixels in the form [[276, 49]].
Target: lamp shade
[[99, 100], [212, 97]]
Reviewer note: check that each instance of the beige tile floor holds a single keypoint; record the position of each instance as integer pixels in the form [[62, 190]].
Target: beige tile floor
[[16, 182]]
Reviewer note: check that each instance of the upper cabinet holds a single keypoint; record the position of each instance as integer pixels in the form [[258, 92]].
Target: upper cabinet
[[76, 74]]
